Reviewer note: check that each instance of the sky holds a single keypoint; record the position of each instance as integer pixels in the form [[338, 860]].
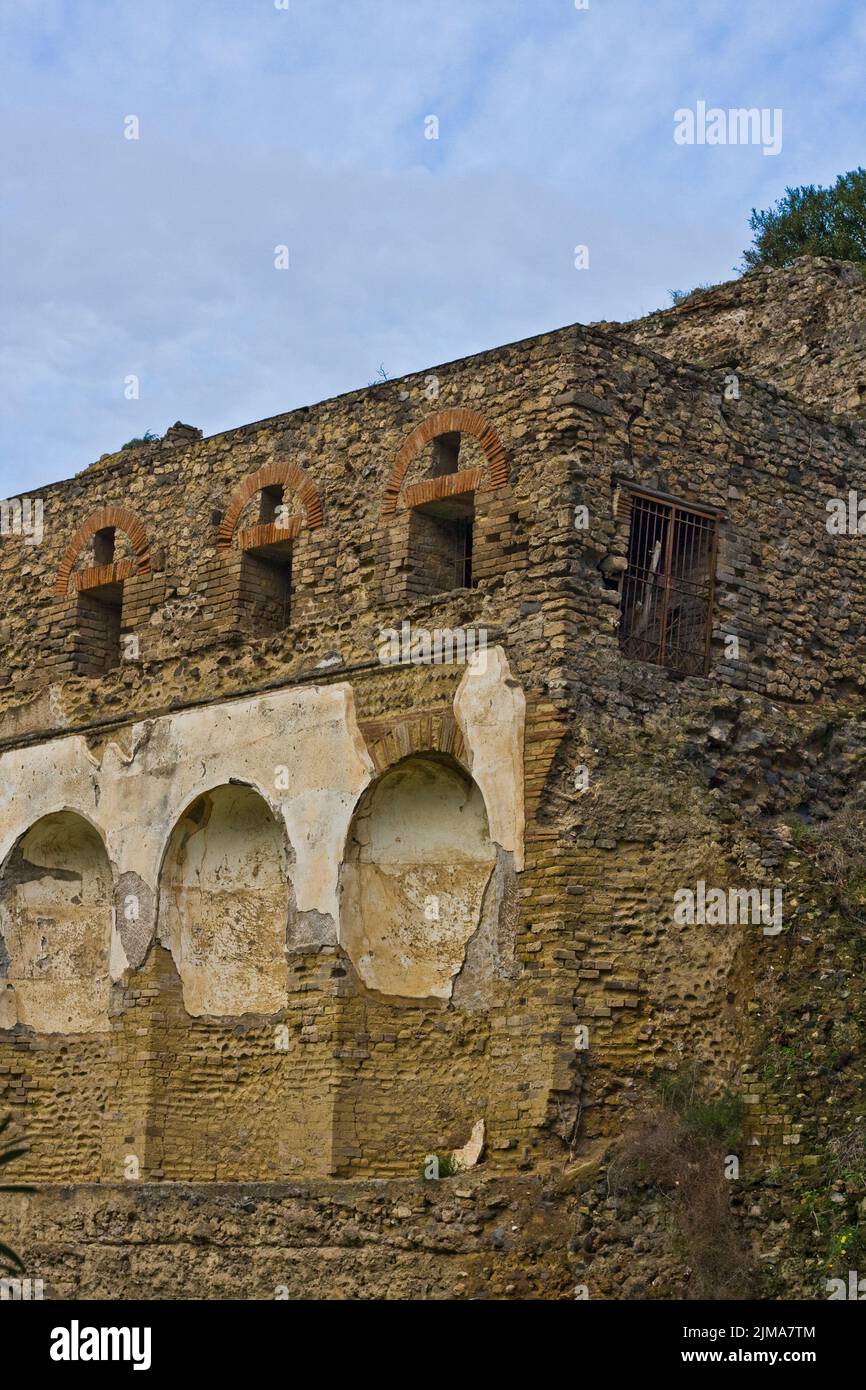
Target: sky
[[429, 167]]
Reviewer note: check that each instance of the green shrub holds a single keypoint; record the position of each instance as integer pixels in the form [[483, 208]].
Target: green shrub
[[713, 1118], [147, 438], [680, 296], [812, 221], [679, 1147]]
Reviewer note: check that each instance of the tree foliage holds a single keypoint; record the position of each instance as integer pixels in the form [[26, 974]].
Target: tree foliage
[[812, 221]]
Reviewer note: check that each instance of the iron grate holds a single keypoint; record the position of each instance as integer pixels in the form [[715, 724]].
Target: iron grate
[[667, 591]]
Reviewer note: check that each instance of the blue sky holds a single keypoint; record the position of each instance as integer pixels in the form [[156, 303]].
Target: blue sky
[[305, 127]]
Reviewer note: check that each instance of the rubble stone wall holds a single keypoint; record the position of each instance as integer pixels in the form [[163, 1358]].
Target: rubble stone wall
[[276, 907]]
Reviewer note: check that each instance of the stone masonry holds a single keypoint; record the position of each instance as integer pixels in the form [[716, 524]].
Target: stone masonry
[[282, 916]]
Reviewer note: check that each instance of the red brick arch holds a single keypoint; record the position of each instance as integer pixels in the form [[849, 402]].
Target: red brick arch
[[423, 731], [463, 421], [121, 519], [288, 475]]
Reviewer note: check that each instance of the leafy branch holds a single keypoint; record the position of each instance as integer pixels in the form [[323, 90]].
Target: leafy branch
[[10, 1263]]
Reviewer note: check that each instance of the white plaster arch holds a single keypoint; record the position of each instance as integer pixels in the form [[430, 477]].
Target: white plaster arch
[[419, 857], [57, 922], [13, 836], [134, 790], [224, 896], [202, 788]]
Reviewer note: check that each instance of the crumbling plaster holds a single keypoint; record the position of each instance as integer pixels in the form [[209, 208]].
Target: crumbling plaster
[[418, 862], [300, 749], [490, 708]]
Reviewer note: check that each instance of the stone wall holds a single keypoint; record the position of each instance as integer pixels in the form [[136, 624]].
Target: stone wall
[[802, 328], [368, 1240], [218, 835], [360, 906]]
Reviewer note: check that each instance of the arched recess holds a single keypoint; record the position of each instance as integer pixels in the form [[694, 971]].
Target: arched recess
[[56, 894], [456, 421], [256, 559], [418, 861], [224, 903], [280, 475], [107, 519]]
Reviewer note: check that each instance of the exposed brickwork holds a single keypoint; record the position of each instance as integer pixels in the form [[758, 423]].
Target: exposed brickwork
[[98, 575], [687, 779], [433, 730], [282, 473], [436, 489], [269, 533], [119, 517], [457, 419]]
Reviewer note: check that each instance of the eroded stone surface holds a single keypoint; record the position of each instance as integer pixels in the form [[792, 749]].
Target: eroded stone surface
[[418, 862], [224, 899], [55, 919], [301, 751], [632, 785], [174, 797]]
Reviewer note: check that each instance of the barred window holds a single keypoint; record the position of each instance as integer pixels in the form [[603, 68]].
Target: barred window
[[667, 592]]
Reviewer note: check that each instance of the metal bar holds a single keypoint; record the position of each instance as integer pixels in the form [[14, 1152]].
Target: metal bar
[[669, 584], [668, 500], [666, 585], [711, 594]]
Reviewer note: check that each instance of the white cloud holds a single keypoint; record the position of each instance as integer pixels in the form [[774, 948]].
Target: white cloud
[[260, 127]]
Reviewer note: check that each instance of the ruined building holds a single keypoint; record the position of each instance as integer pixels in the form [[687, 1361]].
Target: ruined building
[[350, 763]]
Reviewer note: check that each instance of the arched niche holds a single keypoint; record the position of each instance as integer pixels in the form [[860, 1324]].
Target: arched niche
[[447, 425], [55, 925], [279, 482], [101, 527], [418, 860], [224, 903]]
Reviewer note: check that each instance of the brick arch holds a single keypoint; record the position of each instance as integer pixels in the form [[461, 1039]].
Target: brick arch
[[423, 731], [463, 421], [120, 519], [271, 475]]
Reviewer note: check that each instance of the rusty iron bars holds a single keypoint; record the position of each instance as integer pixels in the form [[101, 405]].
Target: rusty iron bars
[[667, 592]]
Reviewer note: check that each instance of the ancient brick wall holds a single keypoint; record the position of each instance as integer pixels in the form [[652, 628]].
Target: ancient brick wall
[[607, 784]]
